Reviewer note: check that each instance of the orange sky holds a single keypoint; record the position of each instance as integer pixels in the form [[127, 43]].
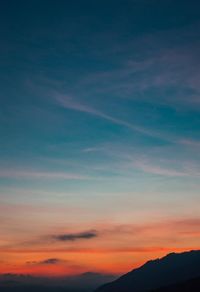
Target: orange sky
[[114, 248]]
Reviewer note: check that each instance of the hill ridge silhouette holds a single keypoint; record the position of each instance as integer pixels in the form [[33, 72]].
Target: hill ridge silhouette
[[165, 271]]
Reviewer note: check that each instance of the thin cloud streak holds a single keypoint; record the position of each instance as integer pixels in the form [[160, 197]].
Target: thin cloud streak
[[157, 170], [22, 174], [146, 230], [137, 249], [75, 236], [69, 103], [188, 170], [189, 142], [50, 261]]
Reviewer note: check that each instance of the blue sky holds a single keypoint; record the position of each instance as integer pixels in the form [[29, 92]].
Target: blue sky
[[100, 114]]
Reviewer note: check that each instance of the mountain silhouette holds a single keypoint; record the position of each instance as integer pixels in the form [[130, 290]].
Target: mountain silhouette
[[169, 270], [192, 285]]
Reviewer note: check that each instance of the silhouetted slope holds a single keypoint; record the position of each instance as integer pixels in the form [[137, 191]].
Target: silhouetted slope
[[168, 270], [192, 285]]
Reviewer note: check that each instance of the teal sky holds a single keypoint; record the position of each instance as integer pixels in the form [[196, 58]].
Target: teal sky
[[99, 116]]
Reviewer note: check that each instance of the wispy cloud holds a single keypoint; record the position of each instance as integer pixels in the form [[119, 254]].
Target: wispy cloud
[[188, 222], [160, 235], [52, 240], [75, 236], [50, 261], [29, 174], [103, 250], [93, 149], [70, 103], [158, 170], [190, 142]]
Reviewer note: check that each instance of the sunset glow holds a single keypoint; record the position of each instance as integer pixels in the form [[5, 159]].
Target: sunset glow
[[100, 134]]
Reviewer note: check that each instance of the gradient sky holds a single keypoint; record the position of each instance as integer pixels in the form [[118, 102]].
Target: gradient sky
[[100, 133]]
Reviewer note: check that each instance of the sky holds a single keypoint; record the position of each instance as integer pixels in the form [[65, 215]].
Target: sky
[[100, 134]]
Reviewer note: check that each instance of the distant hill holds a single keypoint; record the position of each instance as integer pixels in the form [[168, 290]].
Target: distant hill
[[169, 270], [85, 282]]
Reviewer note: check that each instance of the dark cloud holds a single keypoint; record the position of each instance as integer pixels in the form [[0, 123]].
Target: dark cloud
[[76, 236], [51, 261]]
